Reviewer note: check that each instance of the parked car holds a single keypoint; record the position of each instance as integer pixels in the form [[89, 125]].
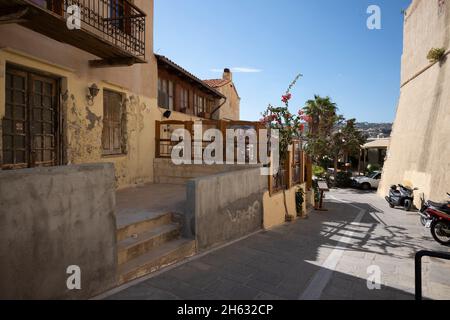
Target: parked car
[[367, 182]]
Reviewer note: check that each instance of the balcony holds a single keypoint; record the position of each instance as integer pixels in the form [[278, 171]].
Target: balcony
[[113, 30]]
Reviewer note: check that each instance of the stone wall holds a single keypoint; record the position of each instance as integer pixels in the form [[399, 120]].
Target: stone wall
[[52, 218], [420, 149], [224, 207]]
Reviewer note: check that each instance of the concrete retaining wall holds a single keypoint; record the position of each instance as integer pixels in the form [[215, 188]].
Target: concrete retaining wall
[[167, 172], [52, 218], [224, 207]]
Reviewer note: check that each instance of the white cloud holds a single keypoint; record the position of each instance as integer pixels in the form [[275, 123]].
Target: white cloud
[[240, 70]]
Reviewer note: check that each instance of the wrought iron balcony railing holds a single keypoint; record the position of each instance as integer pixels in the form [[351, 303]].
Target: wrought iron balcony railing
[[110, 29]]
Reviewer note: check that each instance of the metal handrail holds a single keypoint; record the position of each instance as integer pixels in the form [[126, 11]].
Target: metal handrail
[[418, 267]]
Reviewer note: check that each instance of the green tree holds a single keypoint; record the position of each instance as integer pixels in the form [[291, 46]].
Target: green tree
[[330, 136], [345, 140], [322, 113]]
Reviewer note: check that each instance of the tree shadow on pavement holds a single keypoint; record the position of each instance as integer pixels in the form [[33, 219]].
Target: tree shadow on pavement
[[292, 262]]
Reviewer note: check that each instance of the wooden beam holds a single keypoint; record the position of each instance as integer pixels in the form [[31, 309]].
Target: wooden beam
[[13, 15], [111, 62]]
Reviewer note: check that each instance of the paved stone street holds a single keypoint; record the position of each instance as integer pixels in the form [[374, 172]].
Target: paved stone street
[[324, 257]]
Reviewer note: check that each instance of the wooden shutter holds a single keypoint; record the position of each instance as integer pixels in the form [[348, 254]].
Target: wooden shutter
[[112, 123]]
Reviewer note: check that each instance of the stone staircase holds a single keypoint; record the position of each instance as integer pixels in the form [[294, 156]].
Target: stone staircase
[[151, 244]]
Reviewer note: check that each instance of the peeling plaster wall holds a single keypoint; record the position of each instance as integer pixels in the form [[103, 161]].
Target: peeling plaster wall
[[419, 153], [84, 122]]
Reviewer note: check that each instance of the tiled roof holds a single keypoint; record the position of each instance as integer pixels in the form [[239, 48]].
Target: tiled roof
[[170, 63], [378, 143], [216, 83]]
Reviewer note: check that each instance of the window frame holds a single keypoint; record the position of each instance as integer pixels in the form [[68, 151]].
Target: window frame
[[166, 89], [120, 121], [51, 125]]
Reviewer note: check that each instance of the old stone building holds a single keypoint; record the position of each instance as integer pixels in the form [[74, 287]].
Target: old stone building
[[419, 153], [80, 96], [230, 110]]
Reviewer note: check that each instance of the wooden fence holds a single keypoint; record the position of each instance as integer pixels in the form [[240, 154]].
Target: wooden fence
[[294, 169], [164, 130]]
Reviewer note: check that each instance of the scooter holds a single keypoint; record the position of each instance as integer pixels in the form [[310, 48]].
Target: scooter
[[438, 220], [401, 197]]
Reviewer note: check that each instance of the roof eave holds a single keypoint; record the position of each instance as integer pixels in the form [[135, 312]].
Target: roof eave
[[175, 66]]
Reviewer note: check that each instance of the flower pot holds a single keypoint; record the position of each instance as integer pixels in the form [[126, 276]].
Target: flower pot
[[289, 218]]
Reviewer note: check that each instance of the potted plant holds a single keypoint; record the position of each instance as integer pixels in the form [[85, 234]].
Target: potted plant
[[289, 218], [316, 196], [299, 200]]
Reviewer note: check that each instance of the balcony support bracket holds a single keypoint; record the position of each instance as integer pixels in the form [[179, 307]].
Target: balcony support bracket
[[13, 15]]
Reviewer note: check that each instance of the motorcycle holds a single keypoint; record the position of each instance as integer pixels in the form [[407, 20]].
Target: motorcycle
[[401, 197], [438, 220]]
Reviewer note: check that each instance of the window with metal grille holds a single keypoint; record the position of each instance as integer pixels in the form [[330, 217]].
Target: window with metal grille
[[113, 128], [30, 125]]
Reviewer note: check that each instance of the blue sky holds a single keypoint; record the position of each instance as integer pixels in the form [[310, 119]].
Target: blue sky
[[325, 40]]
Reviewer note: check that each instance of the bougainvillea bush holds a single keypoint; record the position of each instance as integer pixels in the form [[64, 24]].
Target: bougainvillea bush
[[289, 125]]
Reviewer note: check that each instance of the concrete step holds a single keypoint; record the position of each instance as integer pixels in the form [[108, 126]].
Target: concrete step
[[160, 257], [133, 247], [171, 180], [140, 223]]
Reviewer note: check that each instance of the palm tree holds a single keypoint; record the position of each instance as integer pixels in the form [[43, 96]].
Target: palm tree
[[323, 114]]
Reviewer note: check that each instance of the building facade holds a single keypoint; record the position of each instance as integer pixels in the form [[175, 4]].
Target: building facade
[[74, 96], [180, 91], [419, 153], [230, 110]]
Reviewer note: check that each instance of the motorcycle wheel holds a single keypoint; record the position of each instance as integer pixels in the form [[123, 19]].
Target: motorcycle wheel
[[423, 221], [441, 232], [408, 205]]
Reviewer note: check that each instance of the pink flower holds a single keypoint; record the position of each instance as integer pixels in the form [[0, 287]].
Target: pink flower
[[306, 118], [285, 98], [301, 112]]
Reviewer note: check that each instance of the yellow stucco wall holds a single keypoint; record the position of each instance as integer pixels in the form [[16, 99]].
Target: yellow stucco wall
[[84, 133], [231, 109], [273, 204], [274, 209], [419, 154]]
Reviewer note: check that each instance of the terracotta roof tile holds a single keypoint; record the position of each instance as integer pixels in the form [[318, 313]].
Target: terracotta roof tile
[[216, 83]]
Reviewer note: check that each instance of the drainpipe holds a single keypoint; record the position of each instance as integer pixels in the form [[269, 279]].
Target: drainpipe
[[218, 108]]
